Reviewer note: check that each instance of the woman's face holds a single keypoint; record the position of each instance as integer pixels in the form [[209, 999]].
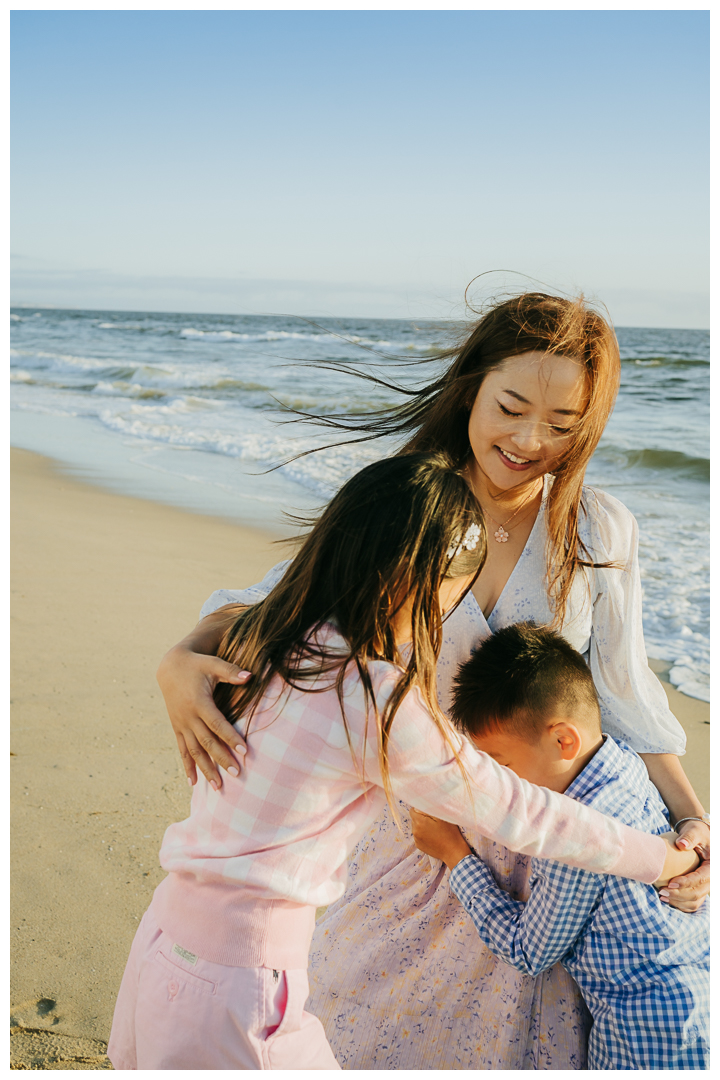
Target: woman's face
[[523, 416]]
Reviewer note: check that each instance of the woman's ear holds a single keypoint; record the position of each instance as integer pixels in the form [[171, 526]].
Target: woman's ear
[[567, 738]]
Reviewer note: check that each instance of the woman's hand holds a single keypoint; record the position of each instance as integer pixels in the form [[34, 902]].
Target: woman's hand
[[439, 839], [188, 675], [687, 892]]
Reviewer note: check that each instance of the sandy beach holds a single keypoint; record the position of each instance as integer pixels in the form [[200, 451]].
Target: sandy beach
[[102, 584]]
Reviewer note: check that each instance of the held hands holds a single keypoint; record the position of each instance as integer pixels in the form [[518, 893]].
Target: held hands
[[688, 886], [439, 839]]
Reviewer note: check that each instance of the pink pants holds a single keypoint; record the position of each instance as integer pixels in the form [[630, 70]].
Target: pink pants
[[173, 1013]]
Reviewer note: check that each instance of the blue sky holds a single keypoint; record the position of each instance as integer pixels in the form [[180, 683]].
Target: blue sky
[[359, 163]]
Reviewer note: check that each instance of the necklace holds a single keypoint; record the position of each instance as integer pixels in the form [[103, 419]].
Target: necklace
[[501, 535]]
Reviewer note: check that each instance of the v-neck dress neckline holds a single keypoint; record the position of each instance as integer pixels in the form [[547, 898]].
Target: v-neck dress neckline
[[521, 557]]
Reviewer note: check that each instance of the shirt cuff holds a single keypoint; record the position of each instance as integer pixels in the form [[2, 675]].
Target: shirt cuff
[[469, 877]]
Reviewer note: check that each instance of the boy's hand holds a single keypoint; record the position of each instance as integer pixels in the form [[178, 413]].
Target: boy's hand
[[439, 839], [676, 862]]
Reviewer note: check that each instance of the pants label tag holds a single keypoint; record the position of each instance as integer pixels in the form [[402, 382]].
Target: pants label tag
[[190, 957]]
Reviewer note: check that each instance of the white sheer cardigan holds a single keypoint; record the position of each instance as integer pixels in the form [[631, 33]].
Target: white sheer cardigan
[[603, 622]]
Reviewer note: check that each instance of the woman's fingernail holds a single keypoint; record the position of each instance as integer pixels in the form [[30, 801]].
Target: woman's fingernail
[[233, 771], [664, 892], [241, 749], [189, 781], [672, 885], [682, 843], [243, 676], [664, 899], [213, 785]]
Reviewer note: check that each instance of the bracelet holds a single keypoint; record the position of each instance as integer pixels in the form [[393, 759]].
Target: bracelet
[[705, 820]]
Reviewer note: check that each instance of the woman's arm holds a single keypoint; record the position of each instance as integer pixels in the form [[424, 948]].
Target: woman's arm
[[667, 774], [633, 703], [188, 675]]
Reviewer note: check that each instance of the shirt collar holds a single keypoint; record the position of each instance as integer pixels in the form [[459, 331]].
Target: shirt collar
[[606, 764]]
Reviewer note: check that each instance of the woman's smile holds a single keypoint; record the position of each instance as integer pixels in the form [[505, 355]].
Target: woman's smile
[[517, 464]]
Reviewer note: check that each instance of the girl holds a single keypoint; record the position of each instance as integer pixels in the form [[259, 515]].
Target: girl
[[340, 712], [520, 409]]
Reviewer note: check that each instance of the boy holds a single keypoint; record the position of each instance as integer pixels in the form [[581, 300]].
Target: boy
[[527, 699]]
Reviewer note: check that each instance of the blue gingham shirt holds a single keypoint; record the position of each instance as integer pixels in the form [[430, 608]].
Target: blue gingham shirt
[[642, 966]]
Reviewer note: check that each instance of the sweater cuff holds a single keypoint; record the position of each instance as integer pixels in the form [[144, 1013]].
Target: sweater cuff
[[642, 857]]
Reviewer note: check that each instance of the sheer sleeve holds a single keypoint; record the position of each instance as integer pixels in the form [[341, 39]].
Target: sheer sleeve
[[251, 595], [633, 703]]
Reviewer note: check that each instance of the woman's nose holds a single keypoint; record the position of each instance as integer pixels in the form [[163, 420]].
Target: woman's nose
[[529, 437]]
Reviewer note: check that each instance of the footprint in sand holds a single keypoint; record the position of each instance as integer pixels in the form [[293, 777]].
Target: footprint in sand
[[34, 1044]]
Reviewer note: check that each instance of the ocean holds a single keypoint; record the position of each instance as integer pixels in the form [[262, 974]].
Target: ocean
[[186, 409]]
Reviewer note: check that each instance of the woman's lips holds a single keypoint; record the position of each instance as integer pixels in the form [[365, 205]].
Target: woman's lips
[[514, 465]]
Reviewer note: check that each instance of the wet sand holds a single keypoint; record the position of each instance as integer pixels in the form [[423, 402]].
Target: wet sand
[[102, 584]]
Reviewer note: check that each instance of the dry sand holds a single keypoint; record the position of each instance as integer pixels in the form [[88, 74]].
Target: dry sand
[[102, 585]]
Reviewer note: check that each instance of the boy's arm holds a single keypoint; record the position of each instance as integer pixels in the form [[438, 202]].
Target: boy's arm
[[530, 936], [534, 935]]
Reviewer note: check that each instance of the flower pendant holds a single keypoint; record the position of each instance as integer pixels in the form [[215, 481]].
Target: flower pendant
[[501, 536]]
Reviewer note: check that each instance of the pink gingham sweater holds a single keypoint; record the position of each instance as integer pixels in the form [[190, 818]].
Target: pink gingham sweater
[[250, 865]]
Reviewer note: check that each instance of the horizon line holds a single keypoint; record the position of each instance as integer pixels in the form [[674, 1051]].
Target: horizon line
[[291, 315]]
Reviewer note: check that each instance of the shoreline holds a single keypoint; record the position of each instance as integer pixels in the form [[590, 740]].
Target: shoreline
[[102, 584], [193, 480]]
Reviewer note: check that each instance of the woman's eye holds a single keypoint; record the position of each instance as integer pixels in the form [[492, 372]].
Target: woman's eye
[[551, 427]]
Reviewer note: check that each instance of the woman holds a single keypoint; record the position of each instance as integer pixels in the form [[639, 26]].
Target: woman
[[397, 977]]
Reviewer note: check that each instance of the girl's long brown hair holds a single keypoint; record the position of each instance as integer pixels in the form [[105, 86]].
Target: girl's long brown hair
[[383, 539], [435, 416]]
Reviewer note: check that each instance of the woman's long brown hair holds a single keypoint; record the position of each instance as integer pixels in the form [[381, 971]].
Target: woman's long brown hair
[[435, 416], [383, 539]]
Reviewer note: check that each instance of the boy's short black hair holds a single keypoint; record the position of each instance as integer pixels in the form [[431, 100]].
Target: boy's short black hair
[[520, 677]]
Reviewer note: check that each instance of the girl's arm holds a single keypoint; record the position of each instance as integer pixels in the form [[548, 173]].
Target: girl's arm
[[667, 774], [470, 789]]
